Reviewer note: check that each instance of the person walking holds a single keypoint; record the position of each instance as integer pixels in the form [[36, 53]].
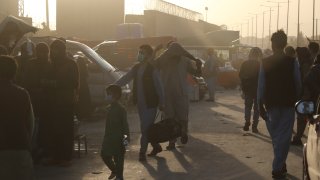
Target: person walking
[[175, 64], [26, 54], [16, 129], [210, 72], [147, 94], [64, 81], [311, 85], [84, 106], [116, 132], [314, 50], [35, 72], [290, 51], [249, 74], [305, 61], [278, 90]]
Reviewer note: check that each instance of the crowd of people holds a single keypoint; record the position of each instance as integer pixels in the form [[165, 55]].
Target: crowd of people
[[40, 89], [158, 83], [42, 83], [272, 85], [38, 95]]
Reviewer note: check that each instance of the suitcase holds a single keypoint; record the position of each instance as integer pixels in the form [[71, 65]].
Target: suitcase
[[163, 131]]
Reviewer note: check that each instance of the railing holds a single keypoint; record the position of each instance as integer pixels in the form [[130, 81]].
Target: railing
[[137, 7], [169, 8]]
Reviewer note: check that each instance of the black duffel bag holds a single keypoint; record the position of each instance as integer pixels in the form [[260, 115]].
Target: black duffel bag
[[163, 131]]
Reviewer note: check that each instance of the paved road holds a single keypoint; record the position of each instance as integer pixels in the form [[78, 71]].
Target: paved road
[[218, 150]]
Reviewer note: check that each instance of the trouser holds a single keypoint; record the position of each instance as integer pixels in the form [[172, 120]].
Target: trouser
[[280, 126], [16, 165], [62, 135], [115, 164], [44, 136], [177, 108], [250, 102], [211, 83], [301, 126], [147, 118], [35, 141]]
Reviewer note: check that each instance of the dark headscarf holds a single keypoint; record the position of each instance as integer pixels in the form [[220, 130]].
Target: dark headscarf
[[57, 51], [174, 50]]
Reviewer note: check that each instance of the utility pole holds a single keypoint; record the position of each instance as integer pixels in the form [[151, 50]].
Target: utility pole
[[288, 17], [317, 29], [262, 39], [47, 14], [256, 30], [256, 35], [313, 18], [278, 16], [270, 25], [248, 29], [270, 19], [278, 2], [298, 32], [240, 31], [206, 8], [252, 31]]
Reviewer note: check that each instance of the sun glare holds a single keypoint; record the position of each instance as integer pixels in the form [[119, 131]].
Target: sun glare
[[37, 10], [134, 6]]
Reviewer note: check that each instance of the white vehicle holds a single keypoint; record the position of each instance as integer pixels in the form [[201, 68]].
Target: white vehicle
[[311, 150], [101, 73]]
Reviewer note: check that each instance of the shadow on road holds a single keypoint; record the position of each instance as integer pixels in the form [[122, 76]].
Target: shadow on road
[[232, 107], [293, 149], [201, 160], [162, 171]]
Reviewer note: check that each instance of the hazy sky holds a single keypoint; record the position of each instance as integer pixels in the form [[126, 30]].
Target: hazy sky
[[236, 12], [229, 12]]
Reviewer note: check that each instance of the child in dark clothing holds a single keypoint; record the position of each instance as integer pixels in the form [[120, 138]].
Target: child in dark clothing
[[113, 148]]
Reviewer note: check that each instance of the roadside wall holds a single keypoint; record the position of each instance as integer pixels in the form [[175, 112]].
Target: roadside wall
[[156, 23]]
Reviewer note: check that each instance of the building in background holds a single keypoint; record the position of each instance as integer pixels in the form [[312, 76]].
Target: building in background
[[92, 20], [161, 18], [156, 23], [8, 7], [98, 20]]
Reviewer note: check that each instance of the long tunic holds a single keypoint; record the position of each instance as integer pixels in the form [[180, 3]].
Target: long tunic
[[36, 71], [61, 100], [174, 77], [116, 127]]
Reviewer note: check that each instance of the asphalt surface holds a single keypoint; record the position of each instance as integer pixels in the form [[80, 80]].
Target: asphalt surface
[[218, 149]]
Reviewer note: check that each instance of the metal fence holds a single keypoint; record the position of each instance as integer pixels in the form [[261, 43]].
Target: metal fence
[[137, 7], [169, 8]]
